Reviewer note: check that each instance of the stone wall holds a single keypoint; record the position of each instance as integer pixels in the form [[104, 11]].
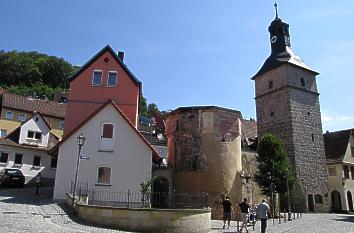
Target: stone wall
[[147, 220], [205, 153], [292, 112]]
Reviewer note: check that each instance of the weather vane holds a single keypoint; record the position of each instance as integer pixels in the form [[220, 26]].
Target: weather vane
[[276, 9]]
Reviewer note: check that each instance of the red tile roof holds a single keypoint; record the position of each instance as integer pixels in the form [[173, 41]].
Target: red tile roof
[[157, 158], [28, 104], [249, 128], [336, 143]]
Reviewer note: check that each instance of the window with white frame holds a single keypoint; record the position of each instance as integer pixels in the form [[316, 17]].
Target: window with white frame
[[18, 159], [97, 77], [34, 135], [9, 115], [4, 157], [112, 78], [22, 117], [61, 124], [107, 131], [332, 171], [36, 161], [3, 133], [107, 135], [104, 175]]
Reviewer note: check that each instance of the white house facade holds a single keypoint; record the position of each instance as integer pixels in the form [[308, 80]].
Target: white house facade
[[26, 149], [118, 158], [340, 167]]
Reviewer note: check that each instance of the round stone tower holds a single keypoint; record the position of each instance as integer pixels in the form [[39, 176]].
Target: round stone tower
[[204, 151]]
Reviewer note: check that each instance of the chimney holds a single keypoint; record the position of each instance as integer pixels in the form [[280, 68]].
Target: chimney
[[121, 55]]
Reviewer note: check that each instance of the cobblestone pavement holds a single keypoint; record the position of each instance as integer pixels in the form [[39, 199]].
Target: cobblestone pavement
[[22, 211], [309, 223]]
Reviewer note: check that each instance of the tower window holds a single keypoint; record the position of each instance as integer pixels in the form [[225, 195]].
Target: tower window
[[308, 113], [302, 80], [270, 84], [312, 137], [271, 114], [177, 125]]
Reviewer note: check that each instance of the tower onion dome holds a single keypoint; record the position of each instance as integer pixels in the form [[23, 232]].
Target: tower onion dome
[[281, 51]]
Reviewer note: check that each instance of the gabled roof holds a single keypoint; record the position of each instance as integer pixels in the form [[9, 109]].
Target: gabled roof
[[156, 155], [13, 138], [109, 49], [249, 128], [276, 60], [336, 143], [35, 114], [153, 139], [29, 104]]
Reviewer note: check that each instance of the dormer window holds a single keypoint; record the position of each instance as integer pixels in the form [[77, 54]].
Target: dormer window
[[9, 115], [21, 117], [61, 124], [34, 135], [97, 77], [112, 78]]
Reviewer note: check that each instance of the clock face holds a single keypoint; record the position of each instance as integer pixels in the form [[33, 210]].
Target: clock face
[[273, 39]]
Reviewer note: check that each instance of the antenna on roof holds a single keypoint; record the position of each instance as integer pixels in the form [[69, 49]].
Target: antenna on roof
[[276, 9]]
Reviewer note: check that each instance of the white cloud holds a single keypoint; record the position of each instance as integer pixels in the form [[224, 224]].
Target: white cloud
[[336, 121]]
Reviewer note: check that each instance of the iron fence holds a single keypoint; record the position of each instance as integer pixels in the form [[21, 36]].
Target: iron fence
[[105, 196]]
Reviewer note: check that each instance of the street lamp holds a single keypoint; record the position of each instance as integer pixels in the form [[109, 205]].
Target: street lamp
[[288, 190], [80, 142], [344, 180], [272, 187]]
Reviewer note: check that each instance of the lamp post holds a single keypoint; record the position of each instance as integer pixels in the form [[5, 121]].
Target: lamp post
[[272, 186], [288, 190], [80, 142], [344, 181]]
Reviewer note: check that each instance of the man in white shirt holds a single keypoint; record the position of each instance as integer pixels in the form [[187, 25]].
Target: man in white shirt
[[262, 212]]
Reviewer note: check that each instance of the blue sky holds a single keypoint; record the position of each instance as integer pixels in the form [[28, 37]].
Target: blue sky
[[198, 52]]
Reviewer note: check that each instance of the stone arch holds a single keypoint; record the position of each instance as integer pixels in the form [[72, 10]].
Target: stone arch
[[336, 202], [160, 192], [350, 200]]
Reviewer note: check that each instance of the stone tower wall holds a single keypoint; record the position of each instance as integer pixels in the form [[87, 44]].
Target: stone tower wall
[[205, 154], [292, 112]]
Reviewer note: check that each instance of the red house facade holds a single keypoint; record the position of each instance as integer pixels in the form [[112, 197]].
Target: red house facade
[[103, 77]]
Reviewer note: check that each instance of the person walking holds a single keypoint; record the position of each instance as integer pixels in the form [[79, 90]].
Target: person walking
[[262, 212], [38, 182], [245, 207], [227, 209]]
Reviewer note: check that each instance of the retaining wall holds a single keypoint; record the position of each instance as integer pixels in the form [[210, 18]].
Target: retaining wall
[[147, 220]]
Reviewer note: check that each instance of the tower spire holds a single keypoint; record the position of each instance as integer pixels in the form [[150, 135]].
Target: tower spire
[[276, 9]]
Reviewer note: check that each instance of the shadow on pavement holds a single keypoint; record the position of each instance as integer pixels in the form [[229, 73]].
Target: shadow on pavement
[[27, 195], [345, 218]]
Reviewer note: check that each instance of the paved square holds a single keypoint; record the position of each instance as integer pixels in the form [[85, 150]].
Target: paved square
[[22, 211]]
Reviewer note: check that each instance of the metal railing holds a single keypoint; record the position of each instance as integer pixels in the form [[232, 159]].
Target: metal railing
[[105, 196]]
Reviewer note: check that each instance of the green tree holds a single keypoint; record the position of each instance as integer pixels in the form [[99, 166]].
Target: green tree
[[143, 106], [273, 166], [152, 108], [27, 72]]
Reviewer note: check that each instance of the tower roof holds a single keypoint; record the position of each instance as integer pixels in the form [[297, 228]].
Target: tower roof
[[281, 51]]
